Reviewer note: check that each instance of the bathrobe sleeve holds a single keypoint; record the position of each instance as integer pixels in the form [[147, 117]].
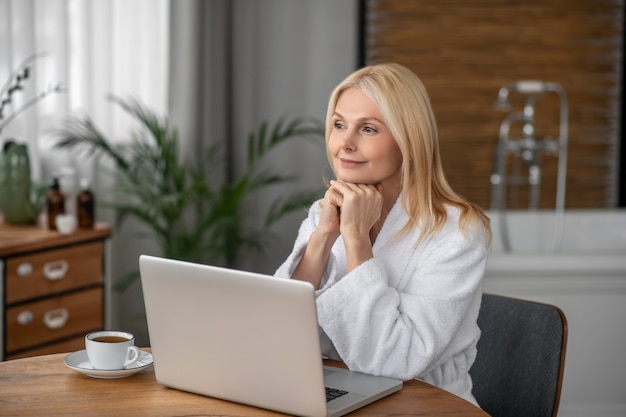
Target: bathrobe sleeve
[[408, 312]]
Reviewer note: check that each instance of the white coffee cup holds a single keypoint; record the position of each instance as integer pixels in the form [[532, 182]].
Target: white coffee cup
[[65, 223], [110, 349]]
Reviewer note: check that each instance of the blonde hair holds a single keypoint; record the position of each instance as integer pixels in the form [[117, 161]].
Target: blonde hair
[[404, 103]]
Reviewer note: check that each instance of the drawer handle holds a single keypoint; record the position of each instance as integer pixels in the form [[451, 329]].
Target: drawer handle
[[55, 319], [25, 317], [55, 270], [24, 269]]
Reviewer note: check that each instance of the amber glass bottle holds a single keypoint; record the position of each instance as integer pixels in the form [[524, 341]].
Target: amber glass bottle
[[85, 206], [55, 203]]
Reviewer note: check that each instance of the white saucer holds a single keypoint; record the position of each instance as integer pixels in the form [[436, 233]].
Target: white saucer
[[78, 361]]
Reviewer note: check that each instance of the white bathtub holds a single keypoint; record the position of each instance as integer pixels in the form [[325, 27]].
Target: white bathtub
[[593, 241], [586, 278]]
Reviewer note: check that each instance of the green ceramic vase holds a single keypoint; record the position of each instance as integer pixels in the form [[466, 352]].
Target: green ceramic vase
[[15, 185]]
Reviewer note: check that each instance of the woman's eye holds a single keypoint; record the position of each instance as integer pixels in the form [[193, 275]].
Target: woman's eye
[[369, 129], [339, 125]]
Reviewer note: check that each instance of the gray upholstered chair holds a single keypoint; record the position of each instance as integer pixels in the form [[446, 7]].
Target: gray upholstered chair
[[521, 354]]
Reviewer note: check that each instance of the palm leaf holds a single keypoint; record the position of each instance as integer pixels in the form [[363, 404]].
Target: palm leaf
[[192, 212], [83, 134]]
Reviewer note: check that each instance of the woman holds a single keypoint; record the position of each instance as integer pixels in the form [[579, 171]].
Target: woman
[[396, 256]]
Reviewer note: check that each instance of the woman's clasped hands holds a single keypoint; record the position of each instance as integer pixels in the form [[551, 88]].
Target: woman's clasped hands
[[352, 211]]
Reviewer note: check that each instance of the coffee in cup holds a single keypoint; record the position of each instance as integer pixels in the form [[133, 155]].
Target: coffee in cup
[[111, 349]]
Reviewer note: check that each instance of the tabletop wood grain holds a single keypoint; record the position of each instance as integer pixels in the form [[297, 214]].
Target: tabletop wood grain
[[44, 386]]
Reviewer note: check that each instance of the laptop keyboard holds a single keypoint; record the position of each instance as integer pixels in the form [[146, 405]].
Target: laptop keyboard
[[332, 393]]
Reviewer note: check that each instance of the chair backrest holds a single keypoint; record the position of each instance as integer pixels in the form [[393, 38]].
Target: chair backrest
[[521, 355]]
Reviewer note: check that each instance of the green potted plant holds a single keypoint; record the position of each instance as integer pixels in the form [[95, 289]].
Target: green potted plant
[[193, 212]]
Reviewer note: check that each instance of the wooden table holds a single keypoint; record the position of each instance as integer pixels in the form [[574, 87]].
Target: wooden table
[[44, 386]]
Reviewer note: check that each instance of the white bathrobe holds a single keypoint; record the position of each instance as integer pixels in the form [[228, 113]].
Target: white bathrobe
[[410, 311]]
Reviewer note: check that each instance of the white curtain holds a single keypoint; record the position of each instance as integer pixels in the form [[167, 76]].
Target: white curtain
[[93, 48]]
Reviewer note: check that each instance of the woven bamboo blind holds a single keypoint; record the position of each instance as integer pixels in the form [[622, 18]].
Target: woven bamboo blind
[[464, 51]]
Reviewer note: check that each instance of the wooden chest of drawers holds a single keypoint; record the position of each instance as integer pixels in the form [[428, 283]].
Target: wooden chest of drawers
[[52, 289]]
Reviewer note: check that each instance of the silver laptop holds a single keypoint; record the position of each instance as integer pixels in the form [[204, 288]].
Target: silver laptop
[[245, 337]]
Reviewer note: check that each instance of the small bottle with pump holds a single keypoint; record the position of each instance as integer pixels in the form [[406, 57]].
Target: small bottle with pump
[[55, 203], [85, 206]]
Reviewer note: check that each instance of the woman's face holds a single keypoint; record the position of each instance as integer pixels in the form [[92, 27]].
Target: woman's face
[[360, 146]]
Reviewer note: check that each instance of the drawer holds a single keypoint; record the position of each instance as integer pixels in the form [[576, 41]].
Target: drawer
[[53, 271], [71, 345], [51, 319]]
